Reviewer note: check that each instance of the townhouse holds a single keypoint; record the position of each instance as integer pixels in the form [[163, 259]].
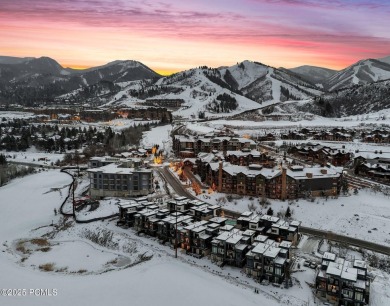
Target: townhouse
[[343, 282], [255, 242]]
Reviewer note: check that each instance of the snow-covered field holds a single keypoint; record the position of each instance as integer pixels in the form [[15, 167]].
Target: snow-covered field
[[318, 121], [15, 115], [32, 156], [157, 135], [160, 135], [120, 124]]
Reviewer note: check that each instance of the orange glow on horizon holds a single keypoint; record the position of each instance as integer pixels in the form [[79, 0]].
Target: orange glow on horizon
[[161, 71], [76, 67], [170, 36]]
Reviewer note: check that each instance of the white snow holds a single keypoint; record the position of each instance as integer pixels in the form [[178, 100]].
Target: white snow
[[159, 135], [32, 156], [16, 115]]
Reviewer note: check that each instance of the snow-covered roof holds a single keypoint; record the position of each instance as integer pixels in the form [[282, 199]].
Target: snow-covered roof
[[248, 233], [272, 251], [329, 256], [349, 273], [285, 244], [314, 172], [360, 264], [261, 238], [243, 153], [218, 219], [196, 225], [260, 248], [334, 268], [114, 169], [280, 260]]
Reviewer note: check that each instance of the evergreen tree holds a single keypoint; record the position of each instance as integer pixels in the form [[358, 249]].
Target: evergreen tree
[[288, 212], [3, 160]]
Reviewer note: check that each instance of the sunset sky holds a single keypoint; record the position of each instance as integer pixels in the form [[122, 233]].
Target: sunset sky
[[173, 35]]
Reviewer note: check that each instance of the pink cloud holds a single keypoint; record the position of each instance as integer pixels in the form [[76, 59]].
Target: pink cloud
[[318, 32]]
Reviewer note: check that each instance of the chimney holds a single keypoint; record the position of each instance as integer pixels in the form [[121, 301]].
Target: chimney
[[284, 183], [220, 176], [309, 175], [324, 171]]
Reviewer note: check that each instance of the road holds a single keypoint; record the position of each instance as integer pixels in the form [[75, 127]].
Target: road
[[175, 183], [181, 191], [347, 240]]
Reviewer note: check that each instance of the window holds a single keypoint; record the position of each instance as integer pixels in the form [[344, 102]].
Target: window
[[278, 270], [347, 293], [214, 249], [359, 296]]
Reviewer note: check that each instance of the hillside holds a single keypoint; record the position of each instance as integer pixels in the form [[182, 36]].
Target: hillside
[[263, 83], [360, 99], [360, 73], [313, 74], [28, 81], [202, 91]]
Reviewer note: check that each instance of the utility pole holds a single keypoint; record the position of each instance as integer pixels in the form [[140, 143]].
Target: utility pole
[[176, 232], [74, 183]]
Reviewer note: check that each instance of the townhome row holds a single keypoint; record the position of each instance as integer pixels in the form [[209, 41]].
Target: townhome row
[[260, 243], [343, 282], [377, 136], [189, 146], [320, 154], [275, 183], [374, 168], [240, 158]]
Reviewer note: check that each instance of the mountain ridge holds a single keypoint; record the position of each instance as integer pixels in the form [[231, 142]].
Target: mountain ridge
[[225, 90]]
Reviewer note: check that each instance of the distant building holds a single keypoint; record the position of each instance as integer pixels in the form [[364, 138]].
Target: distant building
[[374, 168], [320, 154], [171, 103], [188, 146]]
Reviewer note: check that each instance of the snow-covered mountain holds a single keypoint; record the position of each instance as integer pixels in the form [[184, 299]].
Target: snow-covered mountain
[[202, 91], [225, 91], [360, 73], [264, 83], [313, 74], [27, 80]]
